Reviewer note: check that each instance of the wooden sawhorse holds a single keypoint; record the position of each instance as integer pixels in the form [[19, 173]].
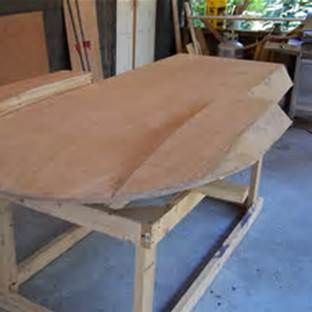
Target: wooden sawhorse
[[145, 227]]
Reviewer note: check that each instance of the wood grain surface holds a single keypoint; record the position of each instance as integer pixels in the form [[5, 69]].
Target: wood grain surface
[[23, 52], [170, 126]]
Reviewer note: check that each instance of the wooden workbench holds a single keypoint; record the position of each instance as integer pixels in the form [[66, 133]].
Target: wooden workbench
[[99, 155]]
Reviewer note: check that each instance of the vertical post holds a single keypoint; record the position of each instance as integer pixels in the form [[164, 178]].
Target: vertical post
[[8, 266], [176, 23], [254, 183], [144, 278], [295, 89], [134, 32]]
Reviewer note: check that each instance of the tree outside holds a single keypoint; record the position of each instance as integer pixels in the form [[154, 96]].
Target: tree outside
[[267, 8]]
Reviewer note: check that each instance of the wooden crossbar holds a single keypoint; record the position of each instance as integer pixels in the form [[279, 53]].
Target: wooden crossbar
[[42, 257], [211, 269], [13, 302]]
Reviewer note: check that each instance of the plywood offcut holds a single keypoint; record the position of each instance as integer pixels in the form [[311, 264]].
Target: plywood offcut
[[23, 52]]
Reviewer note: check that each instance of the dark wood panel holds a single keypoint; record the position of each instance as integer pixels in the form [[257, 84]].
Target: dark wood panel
[[165, 41], [107, 30]]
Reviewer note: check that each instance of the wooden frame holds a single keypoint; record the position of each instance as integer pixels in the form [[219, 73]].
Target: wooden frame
[[144, 227]]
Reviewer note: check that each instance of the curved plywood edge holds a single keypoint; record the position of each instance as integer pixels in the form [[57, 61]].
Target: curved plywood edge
[[273, 87], [19, 94], [240, 148]]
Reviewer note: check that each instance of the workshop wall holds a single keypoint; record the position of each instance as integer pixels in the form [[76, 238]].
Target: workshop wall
[[56, 33]]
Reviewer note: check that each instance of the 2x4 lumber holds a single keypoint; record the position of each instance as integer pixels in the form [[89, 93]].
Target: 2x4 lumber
[[208, 274], [176, 23], [145, 262], [40, 91], [254, 182], [12, 302], [174, 215], [50, 252], [226, 190], [8, 269], [92, 218]]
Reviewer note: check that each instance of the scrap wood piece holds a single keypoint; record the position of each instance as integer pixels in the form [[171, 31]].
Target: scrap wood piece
[[110, 146], [83, 36], [21, 93], [23, 52], [190, 48]]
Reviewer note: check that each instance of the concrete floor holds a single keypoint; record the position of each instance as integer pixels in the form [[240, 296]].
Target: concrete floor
[[270, 271]]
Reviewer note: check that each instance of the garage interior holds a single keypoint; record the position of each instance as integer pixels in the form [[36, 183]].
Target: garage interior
[[155, 155]]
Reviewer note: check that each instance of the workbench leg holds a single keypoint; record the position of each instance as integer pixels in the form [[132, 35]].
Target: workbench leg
[[144, 278], [254, 183], [8, 266]]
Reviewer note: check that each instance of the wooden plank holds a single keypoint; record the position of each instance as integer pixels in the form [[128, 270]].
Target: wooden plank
[[144, 278], [83, 36], [196, 44], [8, 269], [176, 23], [50, 252], [254, 182], [124, 36], [93, 218], [74, 39], [190, 48], [107, 15], [12, 302], [87, 22], [175, 214], [214, 32], [202, 41], [226, 190], [145, 32], [210, 271], [23, 52], [247, 18], [19, 94]]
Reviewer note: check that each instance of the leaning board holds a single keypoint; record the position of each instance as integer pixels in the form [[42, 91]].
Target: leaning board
[[23, 52], [173, 125]]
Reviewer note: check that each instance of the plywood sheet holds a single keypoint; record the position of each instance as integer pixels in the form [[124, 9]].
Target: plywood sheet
[[166, 127], [23, 52]]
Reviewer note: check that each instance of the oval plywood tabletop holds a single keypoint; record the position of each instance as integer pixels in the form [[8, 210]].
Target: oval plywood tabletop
[[170, 126]]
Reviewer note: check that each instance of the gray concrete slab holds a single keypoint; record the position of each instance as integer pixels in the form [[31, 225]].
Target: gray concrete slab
[[270, 271]]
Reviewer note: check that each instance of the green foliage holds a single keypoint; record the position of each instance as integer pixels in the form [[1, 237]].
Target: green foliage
[[199, 8], [289, 8]]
